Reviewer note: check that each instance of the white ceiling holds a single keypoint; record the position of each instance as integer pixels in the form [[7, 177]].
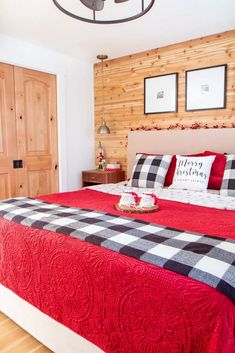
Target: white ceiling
[[169, 21]]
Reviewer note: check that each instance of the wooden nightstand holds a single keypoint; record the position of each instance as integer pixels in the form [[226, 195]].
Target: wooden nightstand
[[92, 177]]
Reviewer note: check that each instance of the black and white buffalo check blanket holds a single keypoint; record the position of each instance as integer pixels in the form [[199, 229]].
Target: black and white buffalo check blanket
[[208, 259]]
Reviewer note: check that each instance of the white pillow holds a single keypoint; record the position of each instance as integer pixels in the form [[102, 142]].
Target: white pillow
[[192, 173]]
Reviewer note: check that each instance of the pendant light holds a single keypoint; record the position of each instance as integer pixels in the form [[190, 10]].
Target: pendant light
[[103, 129]]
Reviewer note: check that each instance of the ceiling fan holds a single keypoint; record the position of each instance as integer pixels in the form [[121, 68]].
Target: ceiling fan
[[97, 5]]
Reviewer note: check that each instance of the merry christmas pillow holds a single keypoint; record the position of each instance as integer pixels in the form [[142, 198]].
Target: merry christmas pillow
[[192, 173]]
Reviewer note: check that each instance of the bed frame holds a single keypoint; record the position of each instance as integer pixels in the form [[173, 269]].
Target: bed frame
[[51, 333], [56, 336]]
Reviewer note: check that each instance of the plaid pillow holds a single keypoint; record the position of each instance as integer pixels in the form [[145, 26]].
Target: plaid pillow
[[149, 171], [228, 183]]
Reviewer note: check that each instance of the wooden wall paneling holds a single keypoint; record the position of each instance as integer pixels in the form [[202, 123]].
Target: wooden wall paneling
[[8, 150], [35, 94], [124, 89]]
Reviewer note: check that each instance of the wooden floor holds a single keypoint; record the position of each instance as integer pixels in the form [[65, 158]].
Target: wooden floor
[[13, 339]]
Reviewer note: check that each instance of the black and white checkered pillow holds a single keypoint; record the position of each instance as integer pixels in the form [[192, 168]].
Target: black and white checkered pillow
[[149, 171], [228, 183]]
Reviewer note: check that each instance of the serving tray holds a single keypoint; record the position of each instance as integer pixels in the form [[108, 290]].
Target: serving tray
[[136, 209]]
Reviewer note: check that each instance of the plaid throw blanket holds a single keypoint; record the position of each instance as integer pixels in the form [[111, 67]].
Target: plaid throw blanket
[[208, 259]]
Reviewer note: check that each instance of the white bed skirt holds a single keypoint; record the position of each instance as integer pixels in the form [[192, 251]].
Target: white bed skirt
[[52, 334]]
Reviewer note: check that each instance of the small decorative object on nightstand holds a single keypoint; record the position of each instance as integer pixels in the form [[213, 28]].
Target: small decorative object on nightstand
[[101, 158], [92, 177]]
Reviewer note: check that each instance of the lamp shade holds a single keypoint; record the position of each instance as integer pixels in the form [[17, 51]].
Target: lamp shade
[[103, 129]]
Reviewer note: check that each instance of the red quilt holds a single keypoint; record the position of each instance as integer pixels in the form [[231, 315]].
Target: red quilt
[[121, 304]]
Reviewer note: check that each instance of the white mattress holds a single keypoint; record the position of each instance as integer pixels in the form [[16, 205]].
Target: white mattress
[[211, 199]]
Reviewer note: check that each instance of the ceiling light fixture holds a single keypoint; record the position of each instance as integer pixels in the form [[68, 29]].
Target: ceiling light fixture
[[103, 129], [96, 6]]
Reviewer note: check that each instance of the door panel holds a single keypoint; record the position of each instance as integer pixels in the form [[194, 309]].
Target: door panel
[[1, 115], [36, 123], [39, 182], [4, 186], [37, 162], [36, 94], [8, 147]]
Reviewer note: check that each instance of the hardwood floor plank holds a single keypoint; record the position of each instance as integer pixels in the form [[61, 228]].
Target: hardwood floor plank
[[13, 339]]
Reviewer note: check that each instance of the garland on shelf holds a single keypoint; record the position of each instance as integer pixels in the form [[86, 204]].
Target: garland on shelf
[[179, 126]]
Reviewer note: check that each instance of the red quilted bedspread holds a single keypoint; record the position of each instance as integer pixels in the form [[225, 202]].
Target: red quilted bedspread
[[119, 303]]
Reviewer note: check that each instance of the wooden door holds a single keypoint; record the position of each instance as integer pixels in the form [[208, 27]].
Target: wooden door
[[35, 100], [8, 147]]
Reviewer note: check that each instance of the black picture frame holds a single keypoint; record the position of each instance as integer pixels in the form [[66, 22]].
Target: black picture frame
[[205, 88], [161, 94]]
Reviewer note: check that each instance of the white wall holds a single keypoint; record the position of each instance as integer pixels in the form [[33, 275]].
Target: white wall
[[74, 103]]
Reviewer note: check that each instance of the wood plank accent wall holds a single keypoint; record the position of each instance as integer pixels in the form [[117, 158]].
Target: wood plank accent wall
[[124, 89]]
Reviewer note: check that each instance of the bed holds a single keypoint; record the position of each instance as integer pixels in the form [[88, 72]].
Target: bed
[[78, 296]]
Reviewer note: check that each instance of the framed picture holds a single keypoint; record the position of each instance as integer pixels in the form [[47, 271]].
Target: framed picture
[[206, 88], [160, 94]]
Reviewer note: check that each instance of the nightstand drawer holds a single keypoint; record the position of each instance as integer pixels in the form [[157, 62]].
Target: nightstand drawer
[[94, 177]]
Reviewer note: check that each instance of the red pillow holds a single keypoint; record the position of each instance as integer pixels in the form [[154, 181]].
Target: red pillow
[[171, 170], [217, 170], [170, 173]]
